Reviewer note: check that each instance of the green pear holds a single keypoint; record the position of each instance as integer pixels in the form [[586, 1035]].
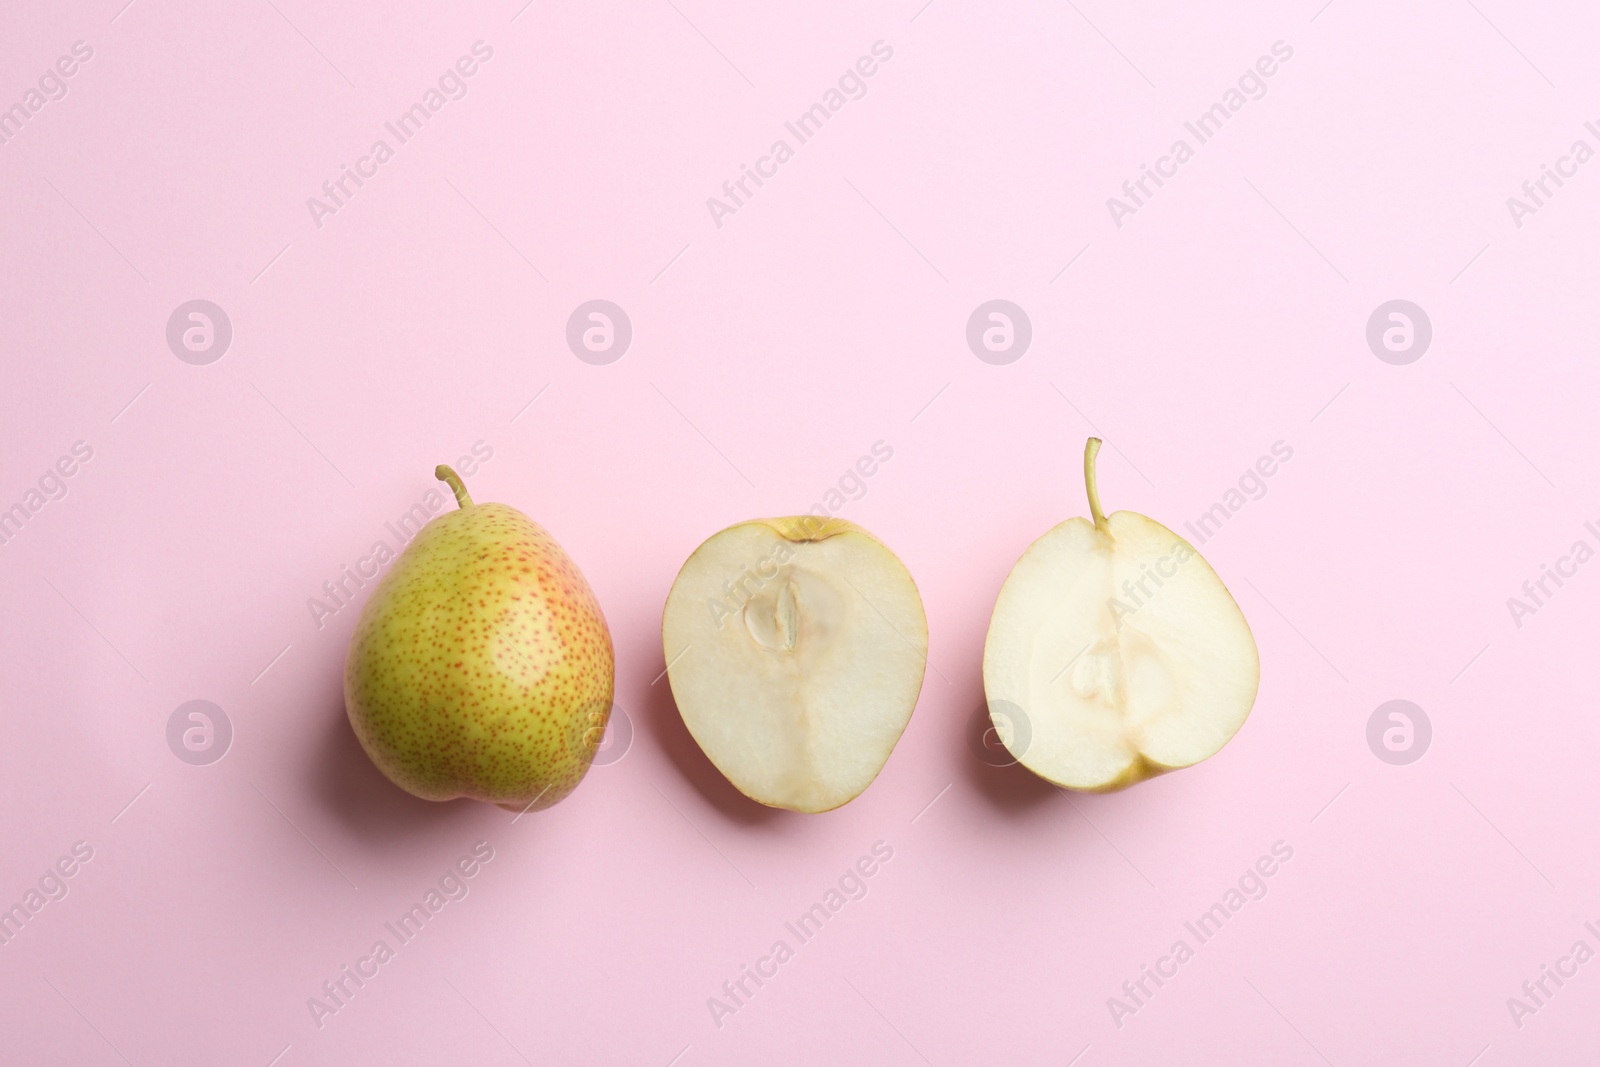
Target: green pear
[[481, 666]]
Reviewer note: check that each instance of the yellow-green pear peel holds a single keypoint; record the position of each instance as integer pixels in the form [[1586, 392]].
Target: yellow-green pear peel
[[481, 666]]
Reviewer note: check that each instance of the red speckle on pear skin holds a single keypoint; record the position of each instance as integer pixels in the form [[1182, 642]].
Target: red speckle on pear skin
[[482, 665]]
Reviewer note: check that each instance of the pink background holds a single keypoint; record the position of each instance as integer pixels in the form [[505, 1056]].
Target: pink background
[[828, 313]]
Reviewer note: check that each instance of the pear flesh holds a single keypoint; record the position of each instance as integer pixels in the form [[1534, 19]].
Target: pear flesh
[[796, 649], [1115, 653], [481, 666]]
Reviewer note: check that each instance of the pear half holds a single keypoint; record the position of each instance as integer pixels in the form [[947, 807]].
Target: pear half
[[1115, 653], [796, 649]]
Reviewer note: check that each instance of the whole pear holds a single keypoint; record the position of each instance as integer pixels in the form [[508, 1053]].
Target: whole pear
[[481, 666]]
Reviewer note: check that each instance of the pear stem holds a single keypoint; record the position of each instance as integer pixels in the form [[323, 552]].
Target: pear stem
[[453, 480], [1090, 450]]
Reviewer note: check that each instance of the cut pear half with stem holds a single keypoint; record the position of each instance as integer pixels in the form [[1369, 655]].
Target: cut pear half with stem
[[796, 649], [1115, 653]]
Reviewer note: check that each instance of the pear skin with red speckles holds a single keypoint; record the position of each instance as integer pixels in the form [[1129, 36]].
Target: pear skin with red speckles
[[481, 666]]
